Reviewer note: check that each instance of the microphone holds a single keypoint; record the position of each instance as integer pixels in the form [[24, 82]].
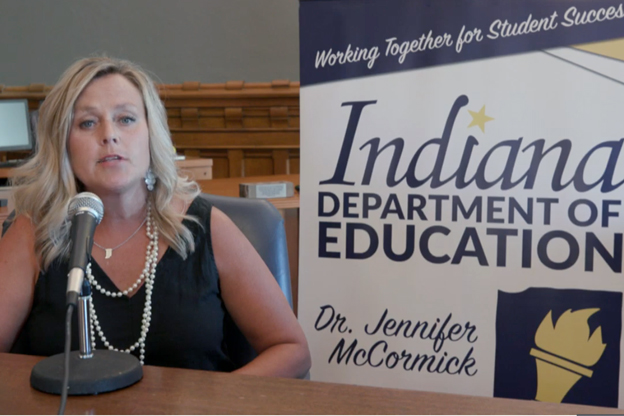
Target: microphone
[[86, 211], [92, 371]]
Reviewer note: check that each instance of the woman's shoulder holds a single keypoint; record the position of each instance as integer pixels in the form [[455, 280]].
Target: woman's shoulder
[[197, 214], [199, 208], [20, 224], [17, 245]]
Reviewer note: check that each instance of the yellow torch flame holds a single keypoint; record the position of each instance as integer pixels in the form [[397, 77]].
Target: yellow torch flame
[[570, 338]]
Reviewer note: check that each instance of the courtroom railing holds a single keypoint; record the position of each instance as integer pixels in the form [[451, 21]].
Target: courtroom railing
[[247, 129]]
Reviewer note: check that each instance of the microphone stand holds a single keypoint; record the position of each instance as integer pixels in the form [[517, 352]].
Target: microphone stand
[[84, 320], [92, 371]]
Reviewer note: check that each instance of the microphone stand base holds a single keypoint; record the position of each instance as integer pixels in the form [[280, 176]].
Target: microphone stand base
[[104, 371]]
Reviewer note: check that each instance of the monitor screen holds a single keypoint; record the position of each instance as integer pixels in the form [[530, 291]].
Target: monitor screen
[[15, 133]]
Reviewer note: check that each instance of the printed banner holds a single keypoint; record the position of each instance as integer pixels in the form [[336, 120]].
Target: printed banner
[[461, 196]]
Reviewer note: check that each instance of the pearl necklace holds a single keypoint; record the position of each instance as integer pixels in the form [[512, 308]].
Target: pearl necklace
[[149, 275]]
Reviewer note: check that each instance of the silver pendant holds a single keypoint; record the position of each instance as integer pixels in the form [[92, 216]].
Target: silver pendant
[[109, 253]]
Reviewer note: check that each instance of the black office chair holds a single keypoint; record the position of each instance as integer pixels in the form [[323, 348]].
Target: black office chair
[[263, 226]]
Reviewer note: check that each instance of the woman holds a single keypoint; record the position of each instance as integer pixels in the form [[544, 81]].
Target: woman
[[166, 266]]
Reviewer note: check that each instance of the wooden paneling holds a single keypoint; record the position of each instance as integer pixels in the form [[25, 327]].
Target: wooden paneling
[[235, 163], [198, 169], [280, 161], [258, 162], [293, 162], [247, 129]]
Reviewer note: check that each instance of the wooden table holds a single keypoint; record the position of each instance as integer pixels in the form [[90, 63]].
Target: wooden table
[[229, 187], [288, 207], [178, 391]]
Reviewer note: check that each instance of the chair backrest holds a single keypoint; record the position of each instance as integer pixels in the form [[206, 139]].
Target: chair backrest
[[263, 226], [8, 221]]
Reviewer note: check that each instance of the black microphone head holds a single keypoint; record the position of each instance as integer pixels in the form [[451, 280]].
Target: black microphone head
[[86, 202]]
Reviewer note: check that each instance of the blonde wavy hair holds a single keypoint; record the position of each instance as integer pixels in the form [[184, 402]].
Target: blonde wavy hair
[[45, 184]]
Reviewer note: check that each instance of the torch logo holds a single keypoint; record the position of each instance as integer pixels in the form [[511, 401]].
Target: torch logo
[[565, 352], [559, 345]]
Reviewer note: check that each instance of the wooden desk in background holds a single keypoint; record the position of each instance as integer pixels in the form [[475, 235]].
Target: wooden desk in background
[[178, 391], [196, 168], [5, 173], [288, 207]]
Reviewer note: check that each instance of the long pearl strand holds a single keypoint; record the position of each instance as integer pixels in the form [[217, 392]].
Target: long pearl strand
[[149, 275]]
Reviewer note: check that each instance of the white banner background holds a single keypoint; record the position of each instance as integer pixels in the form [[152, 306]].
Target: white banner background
[[531, 96]]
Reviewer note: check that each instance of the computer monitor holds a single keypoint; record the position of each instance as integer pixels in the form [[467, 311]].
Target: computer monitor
[[15, 131]]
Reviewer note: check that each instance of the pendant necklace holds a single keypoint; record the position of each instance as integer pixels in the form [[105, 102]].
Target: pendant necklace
[[109, 251]]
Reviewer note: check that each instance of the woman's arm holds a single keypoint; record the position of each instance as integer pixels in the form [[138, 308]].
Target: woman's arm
[[18, 274], [256, 303]]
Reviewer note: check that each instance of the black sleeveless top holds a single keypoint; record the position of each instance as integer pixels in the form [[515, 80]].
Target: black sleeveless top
[[186, 330]]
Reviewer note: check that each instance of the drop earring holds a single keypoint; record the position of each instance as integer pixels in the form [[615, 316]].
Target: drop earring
[[150, 179]]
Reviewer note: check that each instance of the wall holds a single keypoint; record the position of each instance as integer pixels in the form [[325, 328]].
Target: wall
[[189, 40]]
